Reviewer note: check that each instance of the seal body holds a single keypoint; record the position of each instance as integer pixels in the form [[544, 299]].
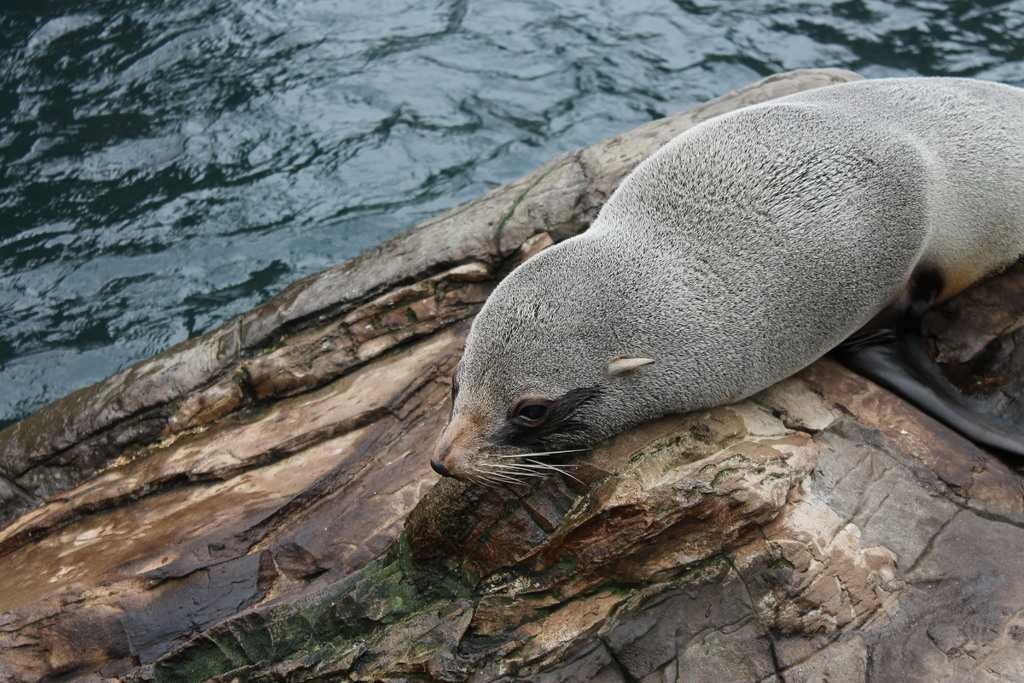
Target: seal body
[[739, 253]]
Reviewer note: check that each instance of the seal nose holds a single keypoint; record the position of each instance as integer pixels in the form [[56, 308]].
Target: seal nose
[[439, 468]]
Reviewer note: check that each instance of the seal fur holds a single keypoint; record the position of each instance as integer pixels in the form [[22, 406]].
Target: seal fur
[[739, 253]]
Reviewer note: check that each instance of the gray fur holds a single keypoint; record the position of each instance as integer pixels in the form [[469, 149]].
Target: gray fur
[[751, 245]]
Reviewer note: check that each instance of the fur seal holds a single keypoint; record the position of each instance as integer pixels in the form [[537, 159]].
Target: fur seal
[[739, 253]]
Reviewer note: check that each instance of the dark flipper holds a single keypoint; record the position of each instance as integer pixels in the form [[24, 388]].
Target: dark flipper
[[902, 365], [898, 360]]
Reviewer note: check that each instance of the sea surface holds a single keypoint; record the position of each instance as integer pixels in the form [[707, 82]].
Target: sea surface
[[166, 165]]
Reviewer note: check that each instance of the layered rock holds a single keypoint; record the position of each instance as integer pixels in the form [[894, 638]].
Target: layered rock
[[255, 504]]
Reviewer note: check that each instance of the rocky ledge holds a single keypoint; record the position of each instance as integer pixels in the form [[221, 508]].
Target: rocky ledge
[[255, 505]]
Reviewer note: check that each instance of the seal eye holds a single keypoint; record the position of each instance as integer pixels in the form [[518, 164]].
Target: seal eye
[[531, 412]]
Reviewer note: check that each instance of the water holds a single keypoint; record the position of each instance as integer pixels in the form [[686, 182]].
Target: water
[[167, 165]]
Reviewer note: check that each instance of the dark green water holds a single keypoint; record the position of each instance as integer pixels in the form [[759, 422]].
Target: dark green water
[[167, 165]]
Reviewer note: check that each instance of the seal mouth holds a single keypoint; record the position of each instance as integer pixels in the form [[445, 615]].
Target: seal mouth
[[439, 468]]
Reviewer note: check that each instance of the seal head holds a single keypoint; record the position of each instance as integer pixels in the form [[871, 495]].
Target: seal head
[[555, 361]]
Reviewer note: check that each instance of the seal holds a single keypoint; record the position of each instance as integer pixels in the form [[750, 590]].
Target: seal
[[739, 253]]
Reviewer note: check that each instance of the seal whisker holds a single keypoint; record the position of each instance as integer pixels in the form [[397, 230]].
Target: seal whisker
[[531, 455], [499, 476], [515, 471], [519, 476], [490, 483], [510, 481], [532, 468], [508, 470], [555, 468], [536, 464], [486, 482], [483, 476], [522, 472], [477, 480]]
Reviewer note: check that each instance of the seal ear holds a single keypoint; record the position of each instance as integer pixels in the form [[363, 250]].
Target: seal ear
[[623, 364]]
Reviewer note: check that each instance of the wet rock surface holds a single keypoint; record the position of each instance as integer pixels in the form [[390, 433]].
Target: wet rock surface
[[255, 505]]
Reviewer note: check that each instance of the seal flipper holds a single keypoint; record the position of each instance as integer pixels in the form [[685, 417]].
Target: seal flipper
[[898, 360], [902, 365]]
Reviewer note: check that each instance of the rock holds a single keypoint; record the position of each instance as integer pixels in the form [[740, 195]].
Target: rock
[[255, 504]]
